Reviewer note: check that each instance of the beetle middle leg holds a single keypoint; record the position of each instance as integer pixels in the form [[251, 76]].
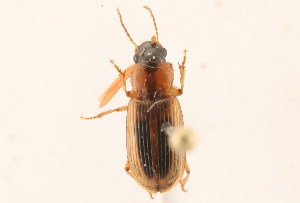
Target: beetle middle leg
[[178, 91], [185, 179], [123, 81], [100, 115]]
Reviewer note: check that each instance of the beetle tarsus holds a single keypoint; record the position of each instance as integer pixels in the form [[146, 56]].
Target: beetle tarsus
[[117, 67], [182, 187], [185, 179], [100, 115], [182, 72], [175, 91], [151, 195], [129, 94]]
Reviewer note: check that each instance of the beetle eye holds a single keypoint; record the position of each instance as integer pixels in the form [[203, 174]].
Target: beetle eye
[[135, 58], [164, 52]]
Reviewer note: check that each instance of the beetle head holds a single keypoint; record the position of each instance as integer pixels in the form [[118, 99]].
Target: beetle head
[[150, 51]]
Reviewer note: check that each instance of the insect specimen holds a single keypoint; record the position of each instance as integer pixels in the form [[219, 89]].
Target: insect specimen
[[151, 162]]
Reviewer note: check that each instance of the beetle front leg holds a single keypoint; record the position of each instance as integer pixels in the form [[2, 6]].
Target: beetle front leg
[[123, 81], [182, 71], [175, 90], [185, 179]]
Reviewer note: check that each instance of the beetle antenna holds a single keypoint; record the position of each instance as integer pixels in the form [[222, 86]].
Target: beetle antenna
[[146, 7], [128, 35]]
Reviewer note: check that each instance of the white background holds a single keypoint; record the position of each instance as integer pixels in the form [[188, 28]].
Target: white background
[[241, 96]]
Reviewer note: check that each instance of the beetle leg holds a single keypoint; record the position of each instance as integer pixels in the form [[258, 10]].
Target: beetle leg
[[182, 71], [185, 179], [151, 195], [175, 90], [122, 108], [123, 81], [109, 93]]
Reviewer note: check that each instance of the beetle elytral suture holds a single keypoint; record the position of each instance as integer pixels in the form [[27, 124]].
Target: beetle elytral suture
[[153, 107]]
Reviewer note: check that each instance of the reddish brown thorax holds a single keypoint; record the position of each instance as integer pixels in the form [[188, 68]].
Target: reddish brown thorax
[[151, 81]]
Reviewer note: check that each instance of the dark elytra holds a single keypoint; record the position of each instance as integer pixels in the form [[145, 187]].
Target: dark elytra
[[150, 52]]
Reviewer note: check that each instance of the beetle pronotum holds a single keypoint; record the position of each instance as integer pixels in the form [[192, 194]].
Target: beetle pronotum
[[151, 162]]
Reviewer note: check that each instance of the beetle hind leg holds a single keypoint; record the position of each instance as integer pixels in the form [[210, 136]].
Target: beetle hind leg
[[184, 180]]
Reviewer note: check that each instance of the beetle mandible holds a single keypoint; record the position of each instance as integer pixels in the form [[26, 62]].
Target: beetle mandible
[[151, 162]]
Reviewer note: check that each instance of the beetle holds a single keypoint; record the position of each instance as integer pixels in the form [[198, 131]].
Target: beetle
[[151, 162]]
